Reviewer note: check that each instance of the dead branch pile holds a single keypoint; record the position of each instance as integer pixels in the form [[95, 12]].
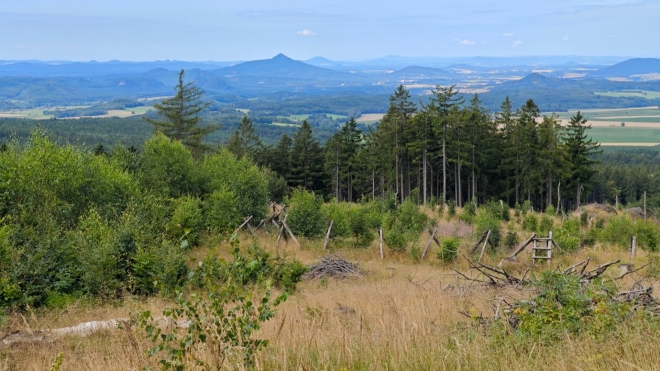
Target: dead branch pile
[[335, 267], [493, 276]]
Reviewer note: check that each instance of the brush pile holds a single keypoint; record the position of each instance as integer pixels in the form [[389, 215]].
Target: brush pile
[[335, 267]]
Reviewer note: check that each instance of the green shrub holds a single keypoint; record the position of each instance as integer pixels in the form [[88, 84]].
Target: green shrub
[[618, 230], [449, 250], [550, 210], [546, 225], [530, 222], [222, 211], [584, 218], [245, 180], [470, 209], [526, 207], [168, 168], [187, 220], [305, 213], [223, 315], [338, 212], [485, 221], [648, 234], [451, 208], [568, 235], [566, 306], [360, 227], [411, 217], [396, 238], [511, 240]]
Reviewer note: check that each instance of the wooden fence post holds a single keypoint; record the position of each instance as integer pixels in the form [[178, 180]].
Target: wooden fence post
[[428, 244], [380, 233], [327, 235]]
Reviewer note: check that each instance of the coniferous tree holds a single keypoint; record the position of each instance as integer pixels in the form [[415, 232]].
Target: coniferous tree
[[306, 160], [244, 141], [444, 109], [581, 150], [179, 116]]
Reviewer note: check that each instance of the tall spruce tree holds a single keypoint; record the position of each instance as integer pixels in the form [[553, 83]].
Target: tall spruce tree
[[444, 110], [179, 117], [306, 160], [244, 141], [581, 150]]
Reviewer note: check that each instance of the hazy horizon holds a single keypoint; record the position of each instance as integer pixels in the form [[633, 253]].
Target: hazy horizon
[[340, 30]]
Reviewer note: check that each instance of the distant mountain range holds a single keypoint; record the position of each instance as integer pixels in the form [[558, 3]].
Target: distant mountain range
[[631, 67], [38, 83]]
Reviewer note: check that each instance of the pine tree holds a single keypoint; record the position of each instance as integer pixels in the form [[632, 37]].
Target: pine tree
[[306, 160], [444, 109], [179, 116], [580, 151], [244, 141]]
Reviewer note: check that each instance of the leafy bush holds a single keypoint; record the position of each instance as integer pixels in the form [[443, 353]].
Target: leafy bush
[[396, 238], [618, 231], [411, 217], [564, 306], [449, 250], [547, 223], [530, 222], [485, 221], [648, 234], [187, 220], [360, 227], [470, 209], [305, 213], [584, 218], [167, 167], [222, 211], [550, 210], [451, 208], [221, 315], [338, 212], [568, 236], [511, 240], [246, 181]]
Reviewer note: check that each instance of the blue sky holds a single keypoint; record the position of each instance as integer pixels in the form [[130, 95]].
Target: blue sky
[[198, 30]]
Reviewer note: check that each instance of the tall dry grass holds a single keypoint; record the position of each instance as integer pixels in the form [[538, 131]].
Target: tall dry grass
[[401, 316]]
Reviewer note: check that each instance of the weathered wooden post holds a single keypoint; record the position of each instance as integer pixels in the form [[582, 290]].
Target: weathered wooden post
[[327, 235], [380, 234], [633, 247], [428, 244]]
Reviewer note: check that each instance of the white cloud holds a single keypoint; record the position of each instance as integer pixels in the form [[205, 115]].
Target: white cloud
[[516, 44], [467, 42], [306, 33], [566, 38], [508, 34]]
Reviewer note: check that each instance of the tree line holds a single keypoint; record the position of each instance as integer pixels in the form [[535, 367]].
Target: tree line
[[444, 150]]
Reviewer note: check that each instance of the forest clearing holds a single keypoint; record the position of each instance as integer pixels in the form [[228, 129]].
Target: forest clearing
[[402, 314]]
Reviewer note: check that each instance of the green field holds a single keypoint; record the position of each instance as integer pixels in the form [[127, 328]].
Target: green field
[[284, 124], [34, 113], [630, 94], [625, 135], [297, 117], [336, 117], [141, 110]]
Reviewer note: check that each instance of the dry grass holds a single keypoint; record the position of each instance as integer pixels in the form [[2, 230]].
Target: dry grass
[[401, 316]]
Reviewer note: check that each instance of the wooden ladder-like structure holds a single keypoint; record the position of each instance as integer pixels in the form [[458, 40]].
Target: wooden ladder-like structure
[[542, 248]]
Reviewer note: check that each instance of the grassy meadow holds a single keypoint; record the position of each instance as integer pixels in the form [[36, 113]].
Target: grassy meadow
[[404, 314]]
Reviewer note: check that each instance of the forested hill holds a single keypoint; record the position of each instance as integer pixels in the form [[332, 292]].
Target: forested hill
[[636, 66], [280, 66]]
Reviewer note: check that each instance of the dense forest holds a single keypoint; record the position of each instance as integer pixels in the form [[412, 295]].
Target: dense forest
[[450, 150]]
